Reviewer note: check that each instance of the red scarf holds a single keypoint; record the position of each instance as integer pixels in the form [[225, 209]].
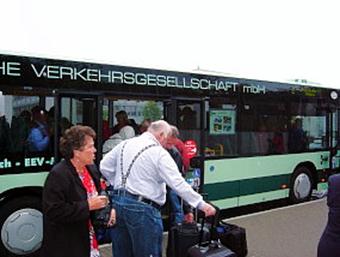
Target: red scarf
[[91, 190]]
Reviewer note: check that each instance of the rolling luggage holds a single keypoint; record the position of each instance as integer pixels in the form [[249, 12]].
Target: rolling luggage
[[182, 236], [210, 248], [233, 237]]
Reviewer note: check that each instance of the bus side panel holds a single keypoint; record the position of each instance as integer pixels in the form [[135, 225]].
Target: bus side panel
[[22, 180], [241, 181]]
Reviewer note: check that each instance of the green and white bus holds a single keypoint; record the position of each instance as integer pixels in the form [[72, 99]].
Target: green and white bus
[[254, 140]]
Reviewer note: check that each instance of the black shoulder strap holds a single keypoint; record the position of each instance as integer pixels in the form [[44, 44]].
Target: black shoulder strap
[[126, 175]]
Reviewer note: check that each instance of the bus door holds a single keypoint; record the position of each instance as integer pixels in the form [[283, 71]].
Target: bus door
[[78, 109], [188, 116], [335, 144]]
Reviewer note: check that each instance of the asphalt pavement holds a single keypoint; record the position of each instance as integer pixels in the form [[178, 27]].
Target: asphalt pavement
[[292, 231]]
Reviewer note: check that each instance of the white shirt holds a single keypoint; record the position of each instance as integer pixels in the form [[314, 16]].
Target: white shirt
[[150, 173], [110, 143], [127, 132]]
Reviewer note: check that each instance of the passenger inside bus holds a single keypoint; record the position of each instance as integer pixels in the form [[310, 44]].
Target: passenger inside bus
[[262, 140], [39, 138], [123, 126], [20, 129], [297, 140], [4, 134], [187, 118], [123, 130], [144, 125]]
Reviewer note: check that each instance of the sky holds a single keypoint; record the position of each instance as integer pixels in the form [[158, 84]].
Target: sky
[[271, 40]]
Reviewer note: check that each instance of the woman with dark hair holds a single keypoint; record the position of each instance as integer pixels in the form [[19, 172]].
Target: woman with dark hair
[[70, 194]]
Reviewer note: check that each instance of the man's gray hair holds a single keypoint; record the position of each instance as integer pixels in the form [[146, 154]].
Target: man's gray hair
[[160, 126], [174, 131]]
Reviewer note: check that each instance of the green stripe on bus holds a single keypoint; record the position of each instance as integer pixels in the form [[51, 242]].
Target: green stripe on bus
[[22, 180], [222, 190]]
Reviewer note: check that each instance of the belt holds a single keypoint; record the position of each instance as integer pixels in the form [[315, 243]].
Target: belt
[[138, 198]]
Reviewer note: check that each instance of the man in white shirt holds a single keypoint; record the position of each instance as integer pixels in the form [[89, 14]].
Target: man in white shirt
[[139, 170]]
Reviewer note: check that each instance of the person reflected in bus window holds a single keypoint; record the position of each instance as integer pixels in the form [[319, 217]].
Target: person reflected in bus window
[[187, 118], [262, 140], [144, 125], [106, 130], [70, 195], [277, 142], [329, 244], [5, 142], [39, 136], [297, 140], [135, 126], [123, 126], [50, 126], [20, 129], [64, 125]]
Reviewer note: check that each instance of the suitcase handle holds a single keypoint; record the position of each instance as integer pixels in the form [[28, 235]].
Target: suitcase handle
[[214, 224]]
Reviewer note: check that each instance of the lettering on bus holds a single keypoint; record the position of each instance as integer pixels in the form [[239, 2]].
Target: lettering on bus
[[10, 69], [255, 89], [56, 72], [27, 162]]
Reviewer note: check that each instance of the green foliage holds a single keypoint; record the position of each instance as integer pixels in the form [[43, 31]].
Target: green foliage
[[152, 111]]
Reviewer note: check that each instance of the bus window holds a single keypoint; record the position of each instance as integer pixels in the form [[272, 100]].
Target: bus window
[[220, 132], [308, 127], [263, 126], [136, 110], [26, 132], [188, 121]]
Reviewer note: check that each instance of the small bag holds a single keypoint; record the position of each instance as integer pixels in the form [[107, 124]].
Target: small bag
[[233, 237], [101, 217], [182, 236]]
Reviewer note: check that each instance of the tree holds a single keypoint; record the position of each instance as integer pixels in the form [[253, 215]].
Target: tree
[[152, 111]]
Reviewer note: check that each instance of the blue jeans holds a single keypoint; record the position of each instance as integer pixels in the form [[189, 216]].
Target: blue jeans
[[138, 231], [176, 210]]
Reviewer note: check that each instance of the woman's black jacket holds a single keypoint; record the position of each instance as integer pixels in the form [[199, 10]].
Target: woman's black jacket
[[66, 213]]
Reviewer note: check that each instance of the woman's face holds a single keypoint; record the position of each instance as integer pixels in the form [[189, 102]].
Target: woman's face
[[86, 154]]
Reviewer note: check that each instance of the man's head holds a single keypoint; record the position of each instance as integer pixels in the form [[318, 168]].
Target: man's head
[[122, 117], [161, 130], [172, 137]]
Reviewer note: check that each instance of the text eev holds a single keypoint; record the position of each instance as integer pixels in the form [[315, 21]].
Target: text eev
[[35, 161]]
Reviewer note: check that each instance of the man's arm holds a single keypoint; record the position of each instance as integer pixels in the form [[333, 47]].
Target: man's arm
[[108, 165], [172, 177]]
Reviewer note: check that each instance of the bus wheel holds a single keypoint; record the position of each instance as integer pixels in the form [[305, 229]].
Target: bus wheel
[[301, 185], [21, 227]]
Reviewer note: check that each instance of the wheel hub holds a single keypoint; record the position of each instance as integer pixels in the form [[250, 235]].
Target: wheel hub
[[302, 186], [22, 231]]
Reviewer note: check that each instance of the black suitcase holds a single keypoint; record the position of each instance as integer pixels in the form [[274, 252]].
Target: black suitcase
[[182, 236], [210, 249], [233, 237]]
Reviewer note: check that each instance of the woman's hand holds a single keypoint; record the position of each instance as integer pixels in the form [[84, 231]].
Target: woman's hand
[[112, 219], [97, 202]]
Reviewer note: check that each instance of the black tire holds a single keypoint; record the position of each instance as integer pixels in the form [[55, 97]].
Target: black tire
[[26, 212], [301, 185]]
